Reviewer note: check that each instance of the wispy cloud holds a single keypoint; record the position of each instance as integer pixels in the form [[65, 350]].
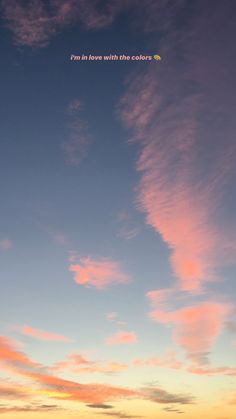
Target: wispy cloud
[[161, 396], [127, 228], [35, 23], [122, 338], [113, 317], [167, 361], [120, 415], [10, 355], [76, 145], [29, 408], [98, 273], [194, 365], [80, 364], [43, 335], [52, 386], [5, 244], [100, 406]]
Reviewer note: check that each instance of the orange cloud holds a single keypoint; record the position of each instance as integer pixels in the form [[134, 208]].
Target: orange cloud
[[51, 386], [9, 354], [43, 335], [98, 273], [12, 391], [122, 338], [69, 390], [55, 387]]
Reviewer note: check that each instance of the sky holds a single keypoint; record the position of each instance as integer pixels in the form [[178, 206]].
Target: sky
[[118, 202]]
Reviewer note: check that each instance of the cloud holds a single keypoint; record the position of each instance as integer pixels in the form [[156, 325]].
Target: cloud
[[168, 361], [12, 391], [112, 316], [43, 335], [229, 371], [100, 406], [10, 355], [29, 408], [52, 386], [98, 273], [183, 190], [59, 388], [34, 23], [172, 409], [127, 228], [76, 145], [128, 233], [122, 338], [5, 244], [81, 365], [44, 383], [196, 366], [121, 415], [165, 192], [57, 236], [188, 322], [161, 396]]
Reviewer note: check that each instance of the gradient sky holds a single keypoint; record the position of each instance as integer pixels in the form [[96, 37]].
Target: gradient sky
[[118, 202]]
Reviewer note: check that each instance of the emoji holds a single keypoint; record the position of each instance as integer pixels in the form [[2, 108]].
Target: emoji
[[157, 57]]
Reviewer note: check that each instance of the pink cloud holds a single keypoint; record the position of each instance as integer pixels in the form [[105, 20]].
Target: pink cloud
[[5, 244], [166, 191], [122, 338], [81, 365], [196, 327], [43, 335], [34, 24], [168, 361], [230, 371], [98, 273]]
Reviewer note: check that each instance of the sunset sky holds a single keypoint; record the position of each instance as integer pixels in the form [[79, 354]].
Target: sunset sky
[[118, 203]]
